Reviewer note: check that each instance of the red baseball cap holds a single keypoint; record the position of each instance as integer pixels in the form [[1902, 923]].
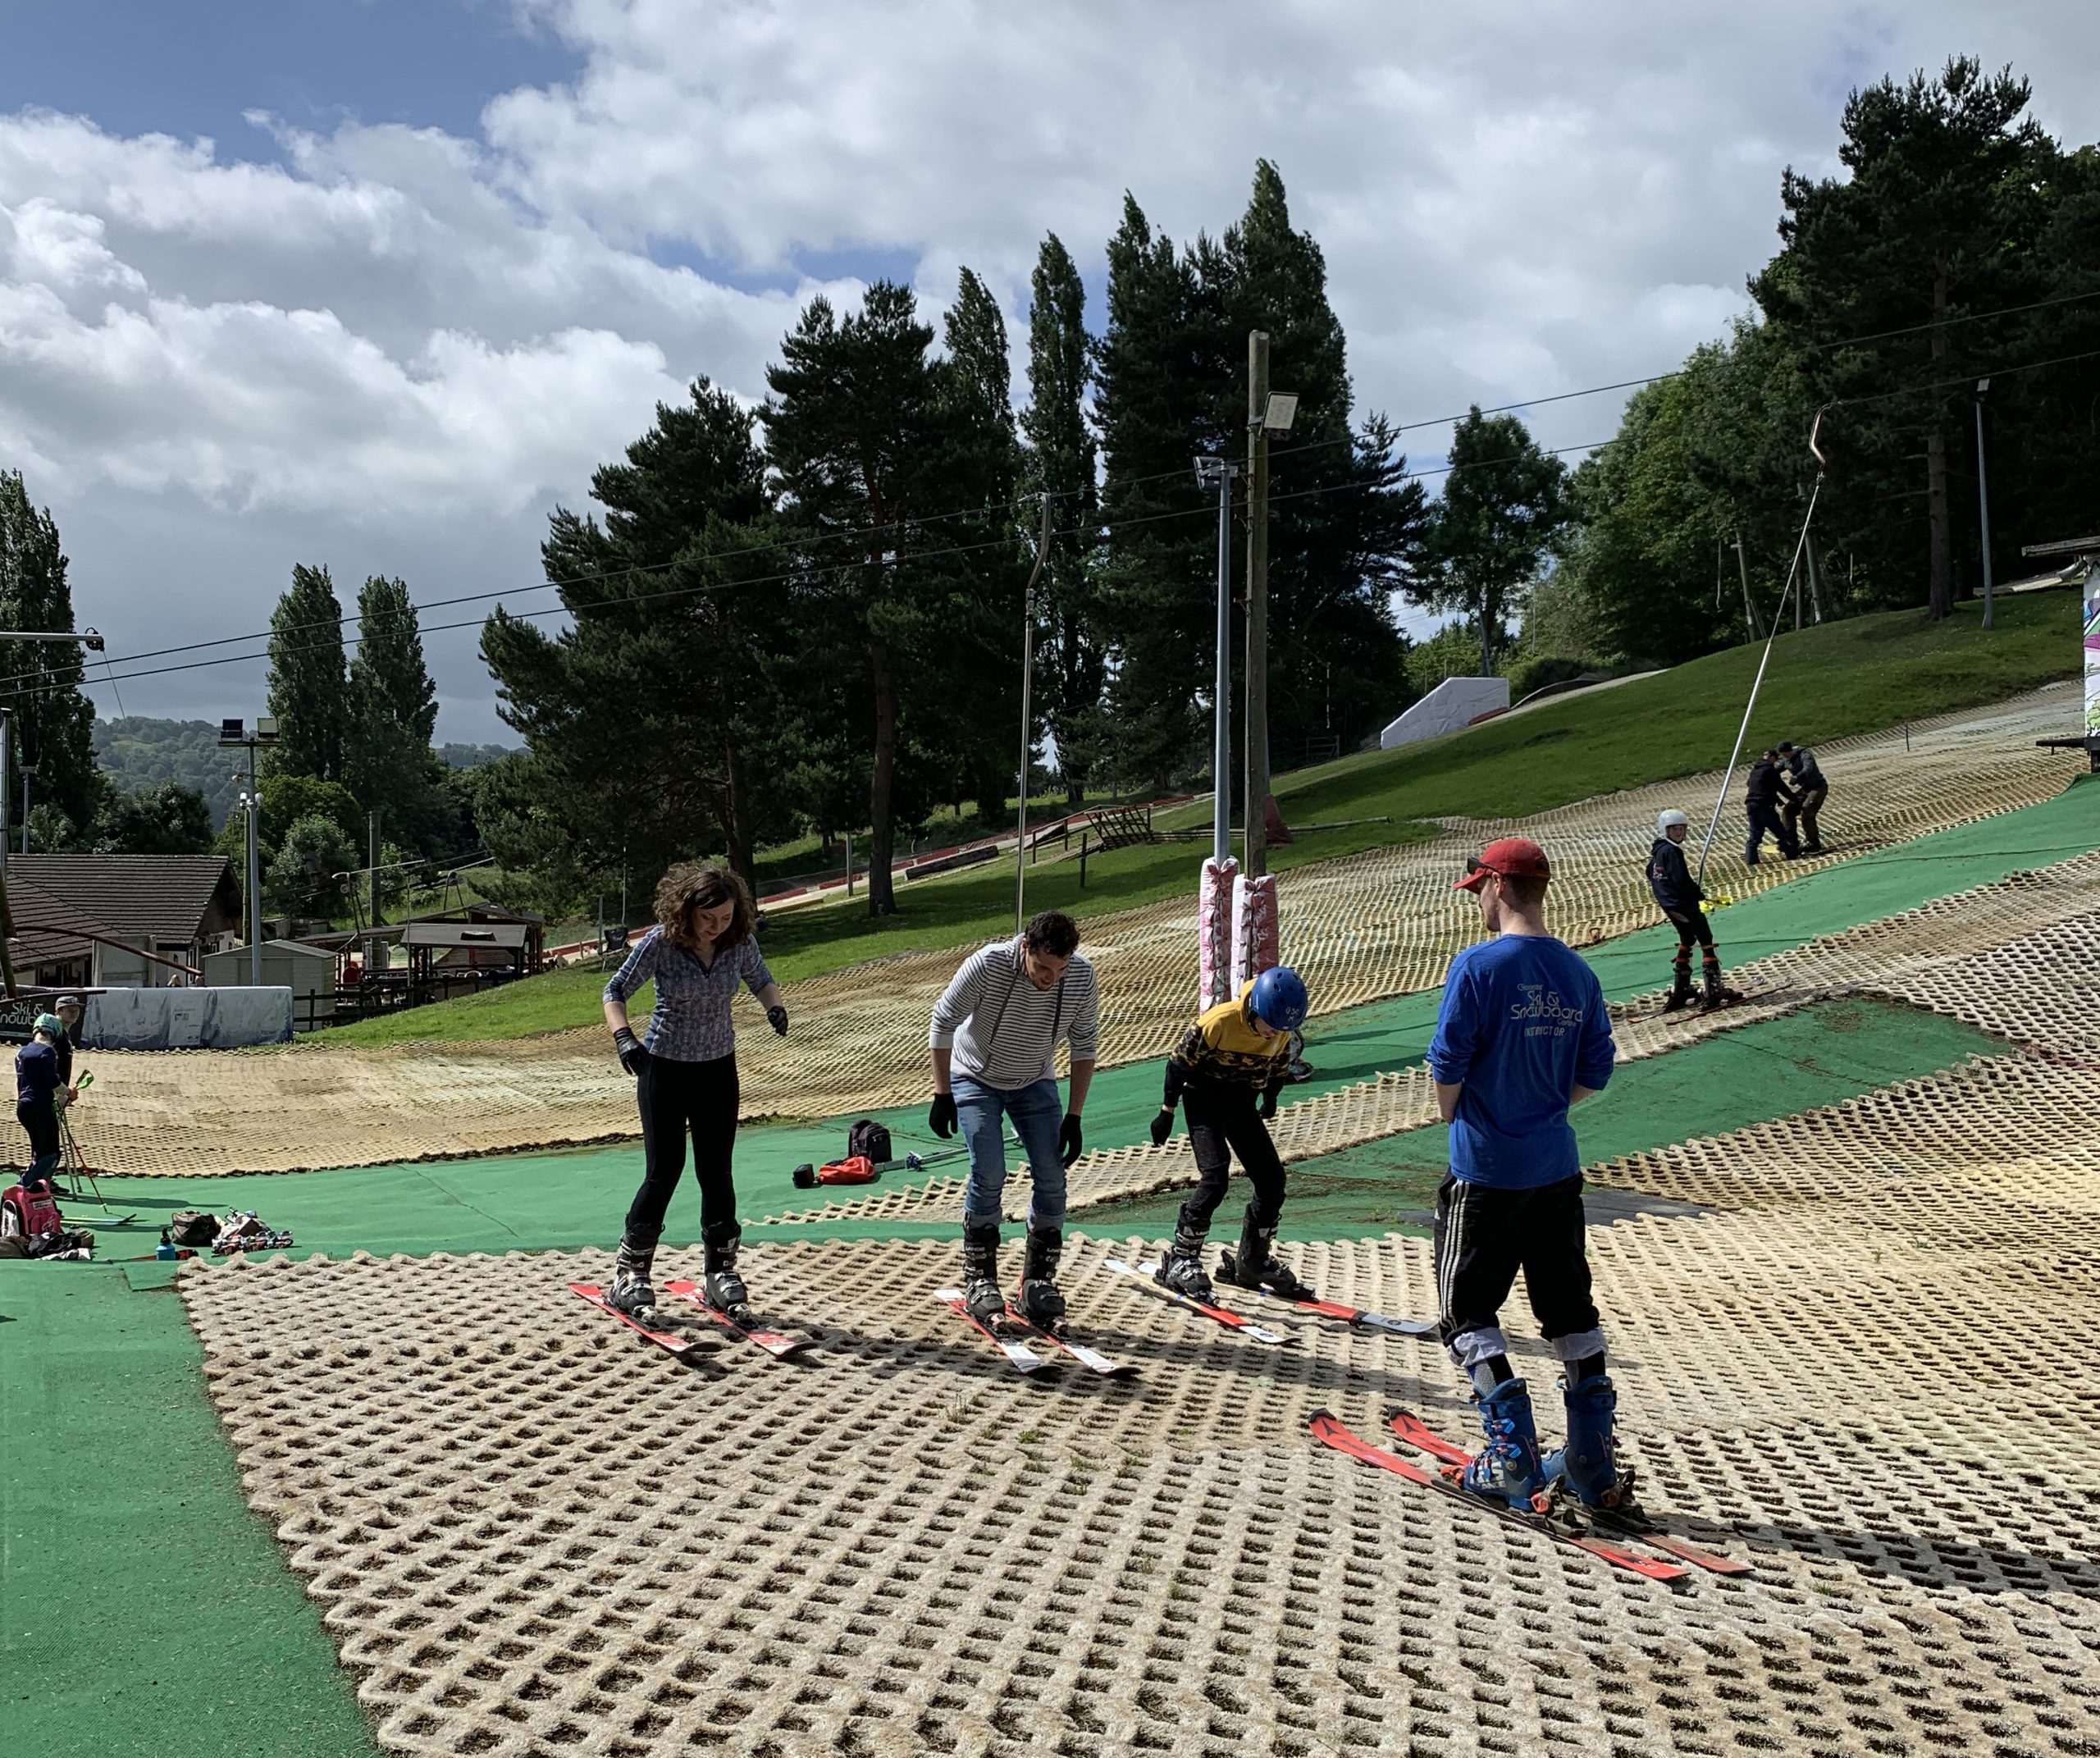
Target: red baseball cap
[[1511, 857]]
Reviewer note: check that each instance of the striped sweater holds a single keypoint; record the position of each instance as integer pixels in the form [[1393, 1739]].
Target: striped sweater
[[1004, 1030]]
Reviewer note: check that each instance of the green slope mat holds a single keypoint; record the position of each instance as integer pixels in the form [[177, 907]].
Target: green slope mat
[[536, 1202], [1776, 1068], [143, 1607]]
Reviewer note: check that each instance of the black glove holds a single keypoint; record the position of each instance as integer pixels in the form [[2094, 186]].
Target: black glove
[[1267, 1108], [777, 1018], [941, 1119], [633, 1053], [1068, 1146], [1162, 1126]]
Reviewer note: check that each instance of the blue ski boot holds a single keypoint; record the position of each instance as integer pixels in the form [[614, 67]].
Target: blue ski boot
[[1507, 1469], [1588, 1466]]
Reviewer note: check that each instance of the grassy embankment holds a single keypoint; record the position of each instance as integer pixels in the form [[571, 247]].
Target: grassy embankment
[[1856, 676]]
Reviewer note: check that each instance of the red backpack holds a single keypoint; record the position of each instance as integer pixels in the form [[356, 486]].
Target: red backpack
[[32, 1213]]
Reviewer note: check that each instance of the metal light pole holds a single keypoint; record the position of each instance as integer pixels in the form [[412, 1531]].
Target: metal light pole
[[28, 770], [1220, 472], [87, 638], [1027, 720], [1983, 503], [234, 735], [1267, 413]]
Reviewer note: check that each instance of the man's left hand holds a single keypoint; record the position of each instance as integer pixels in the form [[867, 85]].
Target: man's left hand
[[1070, 1145]]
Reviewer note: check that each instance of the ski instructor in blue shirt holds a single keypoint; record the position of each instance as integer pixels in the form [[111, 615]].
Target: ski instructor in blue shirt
[[1522, 1035]]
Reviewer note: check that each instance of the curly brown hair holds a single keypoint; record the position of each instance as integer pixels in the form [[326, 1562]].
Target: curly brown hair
[[701, 884]]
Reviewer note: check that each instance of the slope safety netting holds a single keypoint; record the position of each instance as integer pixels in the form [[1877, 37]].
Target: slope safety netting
[[1363, 928]]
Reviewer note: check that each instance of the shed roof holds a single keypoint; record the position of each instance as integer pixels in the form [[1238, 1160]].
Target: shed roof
[[139, 896]]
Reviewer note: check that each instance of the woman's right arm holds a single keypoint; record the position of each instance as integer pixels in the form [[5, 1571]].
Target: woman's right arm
[[640, 967]]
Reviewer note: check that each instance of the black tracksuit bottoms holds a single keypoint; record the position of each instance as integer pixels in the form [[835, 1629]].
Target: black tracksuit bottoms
[[1485, 1236], [675, 1098], [1764, 820], [1222, 1121]]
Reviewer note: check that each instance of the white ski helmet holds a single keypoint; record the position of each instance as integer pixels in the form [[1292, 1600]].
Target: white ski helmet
[[1663, 821]]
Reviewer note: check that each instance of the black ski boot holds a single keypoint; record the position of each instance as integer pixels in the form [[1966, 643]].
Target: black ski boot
[[723, 1287], [1255, 1265], [1680, 990], [1181, 1264], [630, 1292], [1041, 1304], [1717, 994], [980, 1272]]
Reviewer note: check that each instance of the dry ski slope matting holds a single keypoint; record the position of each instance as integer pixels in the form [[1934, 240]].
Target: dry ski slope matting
[[1362, 928], [1860, 1356]]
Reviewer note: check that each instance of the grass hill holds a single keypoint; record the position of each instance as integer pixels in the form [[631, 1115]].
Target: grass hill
[[1855, 676]]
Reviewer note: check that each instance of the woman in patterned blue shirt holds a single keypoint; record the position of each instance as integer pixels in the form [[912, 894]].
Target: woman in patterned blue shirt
[[685, 1066]]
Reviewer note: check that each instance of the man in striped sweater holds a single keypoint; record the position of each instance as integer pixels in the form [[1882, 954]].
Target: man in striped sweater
[[994, 1039]]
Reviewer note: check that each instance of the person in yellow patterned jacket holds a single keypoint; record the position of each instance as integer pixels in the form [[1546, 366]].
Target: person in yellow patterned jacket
[[1227, 1072]]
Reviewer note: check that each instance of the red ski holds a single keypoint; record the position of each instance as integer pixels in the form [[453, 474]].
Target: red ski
[[664, 1340], [1412, 1429], [1225, 1316], [1019, 1355], [1330, 1430], [1349, 1315], [771, 1341]]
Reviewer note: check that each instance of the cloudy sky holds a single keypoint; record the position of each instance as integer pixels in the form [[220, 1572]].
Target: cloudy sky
[[376, 283]]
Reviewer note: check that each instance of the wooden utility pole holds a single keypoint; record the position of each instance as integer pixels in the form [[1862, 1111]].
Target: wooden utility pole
[[1255, 767]]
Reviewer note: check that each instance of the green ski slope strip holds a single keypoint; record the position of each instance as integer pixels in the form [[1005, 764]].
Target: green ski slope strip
[[1776, 1068], [143, 1607], [539, 1202]]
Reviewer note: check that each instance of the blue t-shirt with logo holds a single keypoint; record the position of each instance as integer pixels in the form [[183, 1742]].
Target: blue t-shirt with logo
[[1522, 1025]]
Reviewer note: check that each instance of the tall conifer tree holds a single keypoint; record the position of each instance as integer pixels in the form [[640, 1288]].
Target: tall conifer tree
[[53, 719]]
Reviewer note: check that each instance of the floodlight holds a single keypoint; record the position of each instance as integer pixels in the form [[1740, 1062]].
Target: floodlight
[[1280, 411], [233, 733], [265, 730]]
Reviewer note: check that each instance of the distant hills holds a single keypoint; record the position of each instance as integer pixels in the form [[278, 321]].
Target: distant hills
[[139, 751]]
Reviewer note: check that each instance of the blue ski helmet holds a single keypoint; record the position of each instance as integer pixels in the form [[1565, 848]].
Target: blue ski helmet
[[1279, 999]]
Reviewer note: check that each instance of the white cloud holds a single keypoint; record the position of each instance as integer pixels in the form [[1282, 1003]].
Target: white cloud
[[394, 342]]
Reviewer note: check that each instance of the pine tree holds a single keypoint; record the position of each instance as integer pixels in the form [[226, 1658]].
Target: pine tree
[[1501, 510], [856, 428], [1936, 220], [656, 723], [1060, 463], [392, 715], [308, 691], [53, 721]]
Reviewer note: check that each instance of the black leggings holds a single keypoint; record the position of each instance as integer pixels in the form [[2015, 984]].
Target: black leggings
[[675, 1097], [41, 1122], [1692, 927], [1223, 1122]]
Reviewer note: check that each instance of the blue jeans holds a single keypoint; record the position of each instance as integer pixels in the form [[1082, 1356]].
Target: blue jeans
[[1037, 1111]]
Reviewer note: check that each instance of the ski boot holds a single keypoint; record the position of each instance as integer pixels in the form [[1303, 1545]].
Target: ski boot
[[630, 1292], [1717, 994], [1255, 1265], [1507, 1469], [1181, 1264], [1680, 990], [980, 1272], [1587, 1467], [723, 1287], [1041, 1304]]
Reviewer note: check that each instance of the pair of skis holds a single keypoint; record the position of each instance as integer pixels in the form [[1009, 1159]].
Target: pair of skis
[[1019, 1355], [1355, 1316], [1451, 1459], [773, 1342]]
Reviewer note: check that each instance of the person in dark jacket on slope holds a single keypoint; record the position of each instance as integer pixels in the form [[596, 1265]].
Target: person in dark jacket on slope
[[1683, 901], [1763, 796], [1810, 790]]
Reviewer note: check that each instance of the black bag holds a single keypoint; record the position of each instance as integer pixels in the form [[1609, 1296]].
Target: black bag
[[869, 1137], [190, 1227]]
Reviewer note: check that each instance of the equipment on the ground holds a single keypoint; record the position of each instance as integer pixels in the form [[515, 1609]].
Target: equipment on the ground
[[980, 1272], [860, 1169], [1588, 1465], [631, 1295], [1231, 1320], [1041, 1304], [1507, 1469], [1181, 1264], [743, 1323], [1256, 1265], [1019, 1355], [723, 1286]]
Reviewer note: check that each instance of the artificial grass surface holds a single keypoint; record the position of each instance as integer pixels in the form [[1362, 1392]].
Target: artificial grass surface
[[143, 1607], [1855, 676], [1773, 1069]]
